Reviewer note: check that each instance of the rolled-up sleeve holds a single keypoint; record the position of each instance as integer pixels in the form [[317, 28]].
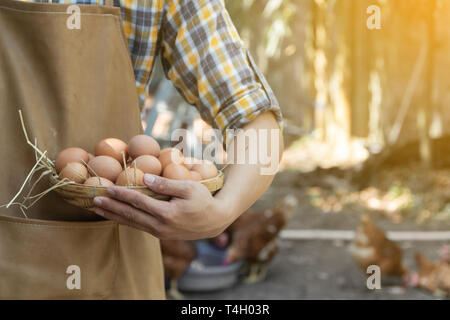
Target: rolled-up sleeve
[[202, 54]]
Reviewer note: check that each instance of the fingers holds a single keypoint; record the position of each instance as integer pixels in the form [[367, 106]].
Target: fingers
[[126, 214], [139, 200], [174, 188]]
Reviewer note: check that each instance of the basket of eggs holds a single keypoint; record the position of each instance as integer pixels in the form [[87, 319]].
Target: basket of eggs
[[79, 176]]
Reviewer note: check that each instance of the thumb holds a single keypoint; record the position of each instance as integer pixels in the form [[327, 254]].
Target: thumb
[[169, 187]]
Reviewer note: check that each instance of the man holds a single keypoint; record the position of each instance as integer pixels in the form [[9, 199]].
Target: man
[[204, 58]]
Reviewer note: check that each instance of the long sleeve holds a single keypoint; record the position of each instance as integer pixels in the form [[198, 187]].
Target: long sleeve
[[202, 54]]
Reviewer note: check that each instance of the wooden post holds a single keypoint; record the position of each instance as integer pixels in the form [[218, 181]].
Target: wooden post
[[427, 106], [360, 69]]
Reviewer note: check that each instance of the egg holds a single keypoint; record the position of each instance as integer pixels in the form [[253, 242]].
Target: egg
[[70, 155], [170, 155], [189, 162], [143, 145], [90, 157], [148, 164], [111, 147], [176, 172], [105, 167], [98, 181], [130, 177], [74, 171], [206, 168], [196, 176]]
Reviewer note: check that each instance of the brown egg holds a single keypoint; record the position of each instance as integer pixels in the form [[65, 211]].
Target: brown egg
[[176, 172], [189, 162], [74, 171], [196, 176], [207, 169], [170, 155], [148, 164], [90, 156], [130, 177], [98, 181], [143, 145], [111, 147], [105, 167], [70, 155]]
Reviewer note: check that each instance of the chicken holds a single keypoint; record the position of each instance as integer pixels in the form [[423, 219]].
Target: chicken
[[254, 237], [445, 254], [371, 247], [434, 277], [177, 256]]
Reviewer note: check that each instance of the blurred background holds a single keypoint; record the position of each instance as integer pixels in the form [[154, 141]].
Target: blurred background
[[367, 132]]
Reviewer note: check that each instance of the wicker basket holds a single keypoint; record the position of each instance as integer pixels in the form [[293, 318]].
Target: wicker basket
[[83, 196]]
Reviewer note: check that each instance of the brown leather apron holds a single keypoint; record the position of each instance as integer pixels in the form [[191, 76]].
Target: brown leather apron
[[75, 87]]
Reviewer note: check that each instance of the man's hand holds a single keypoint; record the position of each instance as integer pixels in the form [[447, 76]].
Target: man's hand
[[192, 213]]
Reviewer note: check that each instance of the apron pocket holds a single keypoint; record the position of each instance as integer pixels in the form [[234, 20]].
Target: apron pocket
[[57, 260]]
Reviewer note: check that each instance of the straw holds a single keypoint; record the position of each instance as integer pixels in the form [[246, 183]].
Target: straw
[[90, 168], [50, 164], [28, 177], [125, 168], [42, 162], [43, 174], [60, 183]]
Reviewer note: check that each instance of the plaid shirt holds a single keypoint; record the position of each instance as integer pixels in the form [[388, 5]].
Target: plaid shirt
[[202, 54]]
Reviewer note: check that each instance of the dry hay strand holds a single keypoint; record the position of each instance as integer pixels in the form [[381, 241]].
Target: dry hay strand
[[42, 163]]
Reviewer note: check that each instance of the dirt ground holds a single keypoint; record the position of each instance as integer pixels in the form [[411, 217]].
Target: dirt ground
[[319, 270], [316, 269]]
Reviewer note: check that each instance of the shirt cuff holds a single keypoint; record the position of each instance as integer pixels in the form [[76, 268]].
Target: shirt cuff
[[249, 106]]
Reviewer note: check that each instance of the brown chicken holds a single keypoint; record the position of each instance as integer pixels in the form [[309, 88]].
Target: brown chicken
[[177, 256], [254, 237], [445, 254], [434, 277], [371, 247]]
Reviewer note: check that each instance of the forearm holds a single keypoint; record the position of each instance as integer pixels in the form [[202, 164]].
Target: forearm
[[245, 183], [192, 212]]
